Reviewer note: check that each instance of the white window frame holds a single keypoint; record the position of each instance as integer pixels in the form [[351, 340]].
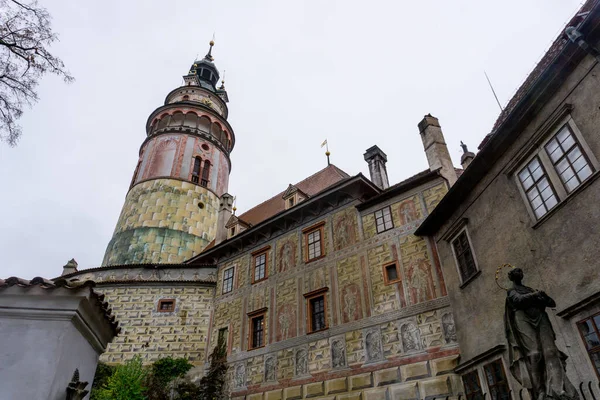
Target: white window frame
[[555, 182], [456, 263], [232, 280], [389, 207]]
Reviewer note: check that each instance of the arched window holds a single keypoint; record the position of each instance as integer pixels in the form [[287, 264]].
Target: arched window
[[176, 119], [205, 174], [163, 121], [186, 97], [191, 120], [196, 170], [204, 124]]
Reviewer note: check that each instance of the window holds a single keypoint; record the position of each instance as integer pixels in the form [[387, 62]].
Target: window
[[196, 170], [567, 158], [232, 231], [166, 305], [537, 188], [313, 242], [496, 380], [290, 202], [223, 336], [590, 332], [259, 271], [559, 166], [390, 273], [317, 310], [472, 386], [383, 219], [228, 280], [205, 174], [257, 329], [464, 256]]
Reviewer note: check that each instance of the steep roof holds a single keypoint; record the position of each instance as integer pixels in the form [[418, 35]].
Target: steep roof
[[311, 186], [555, 49]]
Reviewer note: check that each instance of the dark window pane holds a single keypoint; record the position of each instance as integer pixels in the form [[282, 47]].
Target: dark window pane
[[391, 272], [317, 308]]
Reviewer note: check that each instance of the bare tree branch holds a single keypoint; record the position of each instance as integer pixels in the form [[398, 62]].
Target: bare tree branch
[[25, 35]]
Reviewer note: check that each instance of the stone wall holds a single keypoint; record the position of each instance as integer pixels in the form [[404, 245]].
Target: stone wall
[[382, 338]]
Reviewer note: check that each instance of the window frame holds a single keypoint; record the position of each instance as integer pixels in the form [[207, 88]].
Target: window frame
[[311, 296], [261, 313], [496, 384], [195, 175], [464, 280], [472, 395], [232, 269], [594, 350], [383, 218], [306, 232], [386, 279], [163, 301], [255, 255], [558, 187]]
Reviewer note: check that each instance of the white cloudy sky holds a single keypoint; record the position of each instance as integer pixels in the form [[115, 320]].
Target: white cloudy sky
[[355, 72]]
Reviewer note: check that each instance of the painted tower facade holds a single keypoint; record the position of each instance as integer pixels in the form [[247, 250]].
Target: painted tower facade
[[171, 209]]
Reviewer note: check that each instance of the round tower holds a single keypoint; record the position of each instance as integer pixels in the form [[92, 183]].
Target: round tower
[[171, 209]]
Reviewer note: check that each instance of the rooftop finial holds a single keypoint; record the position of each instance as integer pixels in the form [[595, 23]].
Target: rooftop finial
[[464, 147], [222, 87], [208, 55]]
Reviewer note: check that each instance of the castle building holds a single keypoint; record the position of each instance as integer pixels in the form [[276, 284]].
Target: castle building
[[322, 291]]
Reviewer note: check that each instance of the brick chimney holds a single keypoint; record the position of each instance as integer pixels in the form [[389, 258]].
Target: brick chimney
[[435, 147], [70, 267], [377, 159], [225, 210]]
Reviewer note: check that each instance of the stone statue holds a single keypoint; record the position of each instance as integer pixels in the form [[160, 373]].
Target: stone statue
[[350, 304], [301, 362], [410, 337], [464, 147], [286, 257], [338, 354], [535, 361], [76, 388]]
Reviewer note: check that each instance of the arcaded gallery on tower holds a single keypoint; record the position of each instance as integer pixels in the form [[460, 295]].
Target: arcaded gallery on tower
[[343, 286]]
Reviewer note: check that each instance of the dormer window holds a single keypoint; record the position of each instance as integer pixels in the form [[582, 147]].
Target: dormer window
[[232, 231], [292, 196], [290, 202]]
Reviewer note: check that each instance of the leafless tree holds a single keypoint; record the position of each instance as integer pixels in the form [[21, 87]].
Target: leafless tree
[[25, 35]]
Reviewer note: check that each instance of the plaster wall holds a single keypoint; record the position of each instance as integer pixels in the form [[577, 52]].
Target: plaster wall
[[558, 255], [39, 357]]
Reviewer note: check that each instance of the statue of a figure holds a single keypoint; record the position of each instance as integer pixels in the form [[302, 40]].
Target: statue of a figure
[[535, 361]]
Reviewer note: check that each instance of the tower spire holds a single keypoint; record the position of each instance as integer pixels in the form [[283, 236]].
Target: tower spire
[[208, 55]]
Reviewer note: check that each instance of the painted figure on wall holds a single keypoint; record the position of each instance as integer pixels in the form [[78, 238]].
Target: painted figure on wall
[[344, 233], [420, 281], [287, 256], [240, 376], [318, 279], [351, 308], [373, 345], [338, 354], [301, 362], [286, 326], [535, 361], [411, 339], [449, 328], [270, 375], [163, 157], [408, 212]]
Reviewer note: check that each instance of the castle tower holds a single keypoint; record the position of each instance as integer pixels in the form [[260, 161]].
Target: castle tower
[[171, 210]]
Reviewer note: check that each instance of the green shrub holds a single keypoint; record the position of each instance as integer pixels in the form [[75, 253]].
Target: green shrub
[[126, 383]]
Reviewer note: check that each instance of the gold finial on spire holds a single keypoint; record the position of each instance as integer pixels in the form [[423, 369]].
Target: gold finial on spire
[[208, 55], [327, 153], [234, 207]]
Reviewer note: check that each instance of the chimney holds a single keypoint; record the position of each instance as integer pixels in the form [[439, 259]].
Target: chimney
[[467, 157], [70, 267], [225, 210], [377, 159], [435, 147]]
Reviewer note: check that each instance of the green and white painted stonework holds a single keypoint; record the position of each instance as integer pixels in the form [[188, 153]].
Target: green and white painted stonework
[[162, 222]]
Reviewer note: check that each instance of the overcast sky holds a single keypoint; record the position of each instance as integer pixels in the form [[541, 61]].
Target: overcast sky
[[356, 73]]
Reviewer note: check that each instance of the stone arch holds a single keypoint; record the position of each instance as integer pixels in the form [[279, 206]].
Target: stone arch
[[177, 119], [204, 124], [191, 120]]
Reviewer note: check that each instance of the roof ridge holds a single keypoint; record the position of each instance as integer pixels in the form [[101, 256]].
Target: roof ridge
[[336, 169]]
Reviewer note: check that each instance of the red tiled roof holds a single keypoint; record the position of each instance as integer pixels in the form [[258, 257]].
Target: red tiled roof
[[311, 186], [554, 50], [47, 284]]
